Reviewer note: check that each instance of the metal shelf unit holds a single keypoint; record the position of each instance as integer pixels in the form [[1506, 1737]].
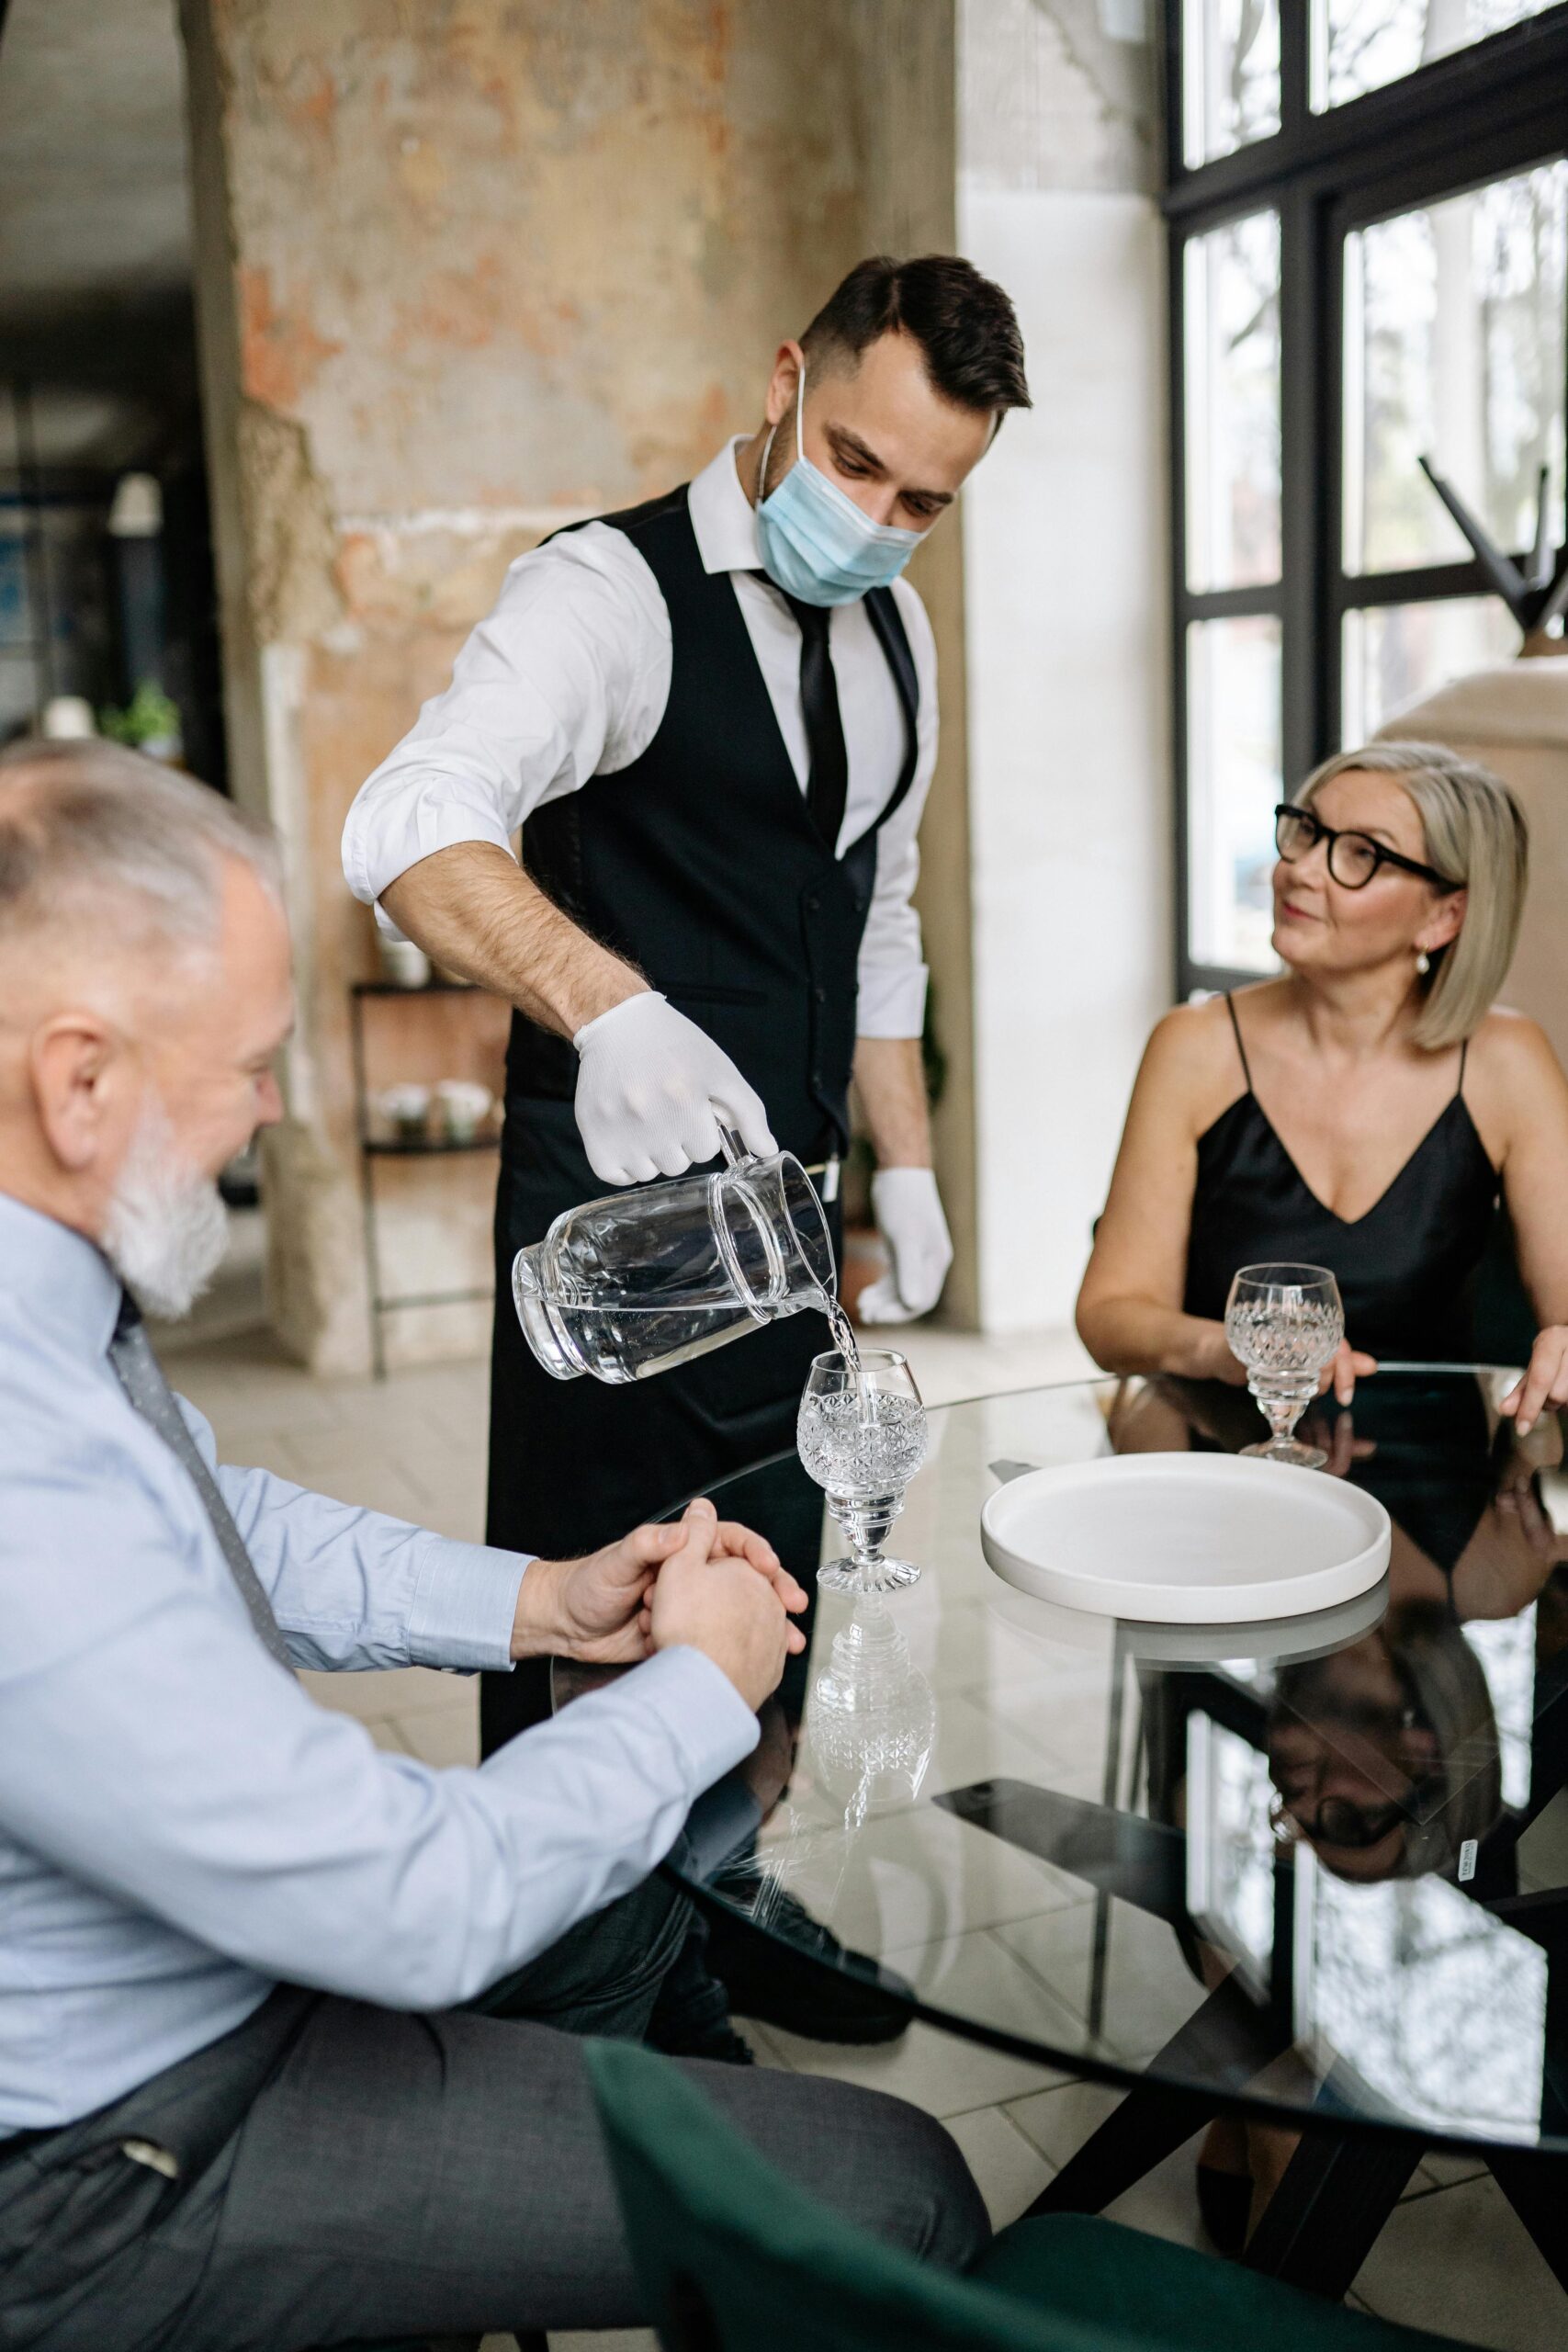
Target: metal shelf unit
[[373, 1148]]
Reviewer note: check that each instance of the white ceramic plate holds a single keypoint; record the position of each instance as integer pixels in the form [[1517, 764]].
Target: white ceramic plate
[[1186, 1539]]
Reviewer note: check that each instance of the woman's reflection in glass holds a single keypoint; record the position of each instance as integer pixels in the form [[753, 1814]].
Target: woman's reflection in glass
[[1385, 1756]]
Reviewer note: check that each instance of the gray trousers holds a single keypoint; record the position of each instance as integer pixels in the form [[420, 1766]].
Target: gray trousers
[[353, 2175]]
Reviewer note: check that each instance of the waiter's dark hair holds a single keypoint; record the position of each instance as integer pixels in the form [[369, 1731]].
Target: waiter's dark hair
[[964, 324]]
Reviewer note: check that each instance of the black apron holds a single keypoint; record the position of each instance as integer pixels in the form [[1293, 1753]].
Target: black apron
[[700, 863]]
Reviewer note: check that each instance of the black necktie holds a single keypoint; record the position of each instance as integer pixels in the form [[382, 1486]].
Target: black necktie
[[142, 1377], [829, 783]]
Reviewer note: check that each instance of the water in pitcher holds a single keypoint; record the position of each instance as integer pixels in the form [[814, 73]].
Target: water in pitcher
[[628, 1343], [640, 1281]]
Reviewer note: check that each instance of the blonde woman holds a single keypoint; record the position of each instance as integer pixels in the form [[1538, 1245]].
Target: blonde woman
[[1364, 1111]]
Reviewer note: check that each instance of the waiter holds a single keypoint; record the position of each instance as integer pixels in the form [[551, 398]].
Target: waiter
[[713, 718]]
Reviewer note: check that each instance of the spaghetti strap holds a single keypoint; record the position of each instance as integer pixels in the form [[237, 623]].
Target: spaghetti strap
[[1241, 1049], [1464, 1048]]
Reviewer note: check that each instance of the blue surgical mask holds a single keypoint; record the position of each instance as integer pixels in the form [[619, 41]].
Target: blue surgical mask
[[815, 543]]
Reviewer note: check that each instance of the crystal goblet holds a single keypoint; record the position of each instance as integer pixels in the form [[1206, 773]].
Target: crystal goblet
[[1285, 1324], [861, 1436]]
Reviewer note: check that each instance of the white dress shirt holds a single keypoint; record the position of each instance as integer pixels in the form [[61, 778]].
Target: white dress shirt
[[181, 1825], [569, 678]]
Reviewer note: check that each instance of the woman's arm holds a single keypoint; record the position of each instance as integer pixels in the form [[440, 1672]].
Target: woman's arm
[[1523, 1090], [1129, 1309]]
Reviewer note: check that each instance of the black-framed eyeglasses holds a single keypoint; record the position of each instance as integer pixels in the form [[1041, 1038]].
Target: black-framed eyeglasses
[[1353, 858], [1354, 1828]]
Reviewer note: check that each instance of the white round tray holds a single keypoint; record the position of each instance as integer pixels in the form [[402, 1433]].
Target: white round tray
[[1186, 1539]]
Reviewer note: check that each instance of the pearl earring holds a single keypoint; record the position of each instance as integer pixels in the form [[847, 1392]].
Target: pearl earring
[[1423, 962]]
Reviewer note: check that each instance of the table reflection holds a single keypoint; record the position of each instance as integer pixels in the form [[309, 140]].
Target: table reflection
[[870, 1716], [1385, 1754], [1320, 1863]]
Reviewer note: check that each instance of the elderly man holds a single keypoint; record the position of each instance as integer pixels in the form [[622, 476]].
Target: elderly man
[[239, 2102]]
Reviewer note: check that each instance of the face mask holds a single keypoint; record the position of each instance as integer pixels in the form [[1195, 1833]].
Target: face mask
[[815, 543]]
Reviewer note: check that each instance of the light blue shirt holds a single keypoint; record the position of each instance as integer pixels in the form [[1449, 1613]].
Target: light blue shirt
[[181, 1825]]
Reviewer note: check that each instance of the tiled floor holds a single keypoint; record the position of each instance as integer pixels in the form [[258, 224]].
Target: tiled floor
[[1453, 2257]]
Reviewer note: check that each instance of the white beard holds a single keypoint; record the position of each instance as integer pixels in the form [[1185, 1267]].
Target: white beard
[[167, 1228]]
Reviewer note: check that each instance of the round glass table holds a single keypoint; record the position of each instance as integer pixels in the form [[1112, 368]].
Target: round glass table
[[1313, 1872]]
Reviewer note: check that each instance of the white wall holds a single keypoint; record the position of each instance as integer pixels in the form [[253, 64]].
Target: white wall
[[1065, 537]]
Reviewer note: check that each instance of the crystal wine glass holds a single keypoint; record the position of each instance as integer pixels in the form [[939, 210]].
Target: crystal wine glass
[[1284, 1323], [862, 1435]]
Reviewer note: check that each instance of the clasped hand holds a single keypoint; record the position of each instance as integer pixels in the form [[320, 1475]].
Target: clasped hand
[[703, 1583]]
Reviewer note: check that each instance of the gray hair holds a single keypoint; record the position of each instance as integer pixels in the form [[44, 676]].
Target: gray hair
[[1476, 836], [94, 835]]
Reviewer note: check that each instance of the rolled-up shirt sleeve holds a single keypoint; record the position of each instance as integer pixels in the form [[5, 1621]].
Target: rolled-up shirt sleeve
[[892, 972], [567, 678]]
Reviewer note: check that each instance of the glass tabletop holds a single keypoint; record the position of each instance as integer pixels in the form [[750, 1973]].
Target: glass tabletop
[[1314, 1866]]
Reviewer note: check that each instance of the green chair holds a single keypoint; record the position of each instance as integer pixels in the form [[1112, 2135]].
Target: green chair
[[733, 2257]]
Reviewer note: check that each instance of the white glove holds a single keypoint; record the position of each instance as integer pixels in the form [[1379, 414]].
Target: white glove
[[907, 1208], [650, 1086]]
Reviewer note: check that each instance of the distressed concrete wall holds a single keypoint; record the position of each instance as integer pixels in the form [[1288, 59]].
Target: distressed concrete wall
[[468, 269], [906, 61], [1066, 542]]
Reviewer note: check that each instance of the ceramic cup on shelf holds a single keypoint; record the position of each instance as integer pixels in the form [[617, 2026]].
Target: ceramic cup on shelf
[[406, 1110], [462, 1106], [406, 965]]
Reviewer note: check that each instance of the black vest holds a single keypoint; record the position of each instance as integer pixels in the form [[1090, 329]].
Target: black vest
[[701, 865]]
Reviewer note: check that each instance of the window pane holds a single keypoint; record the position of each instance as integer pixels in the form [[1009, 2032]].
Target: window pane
[[1454, 350], [1395, 654], [16, 618], [1233, 770], [1230, 61], [1358, 45], [1231, 331]]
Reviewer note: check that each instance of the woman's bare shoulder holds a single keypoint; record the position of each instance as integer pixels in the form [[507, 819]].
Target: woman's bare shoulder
[[1511, 1046], [1191, 1053], [1189, 1034]]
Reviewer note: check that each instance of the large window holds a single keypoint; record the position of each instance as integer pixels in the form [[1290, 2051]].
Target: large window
[[1369, 212]]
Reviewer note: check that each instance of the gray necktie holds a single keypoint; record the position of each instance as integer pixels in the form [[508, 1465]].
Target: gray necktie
[[142, 1377]]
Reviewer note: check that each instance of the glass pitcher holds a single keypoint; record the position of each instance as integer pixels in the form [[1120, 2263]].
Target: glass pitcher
[[638, 1281]]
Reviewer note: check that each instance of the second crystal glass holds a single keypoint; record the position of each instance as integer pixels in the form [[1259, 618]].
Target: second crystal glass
[[862, 1435], [1285, 1324]]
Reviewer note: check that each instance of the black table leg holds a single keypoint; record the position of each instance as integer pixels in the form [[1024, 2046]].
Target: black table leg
[[1149, 2125], [1223, 2046], [1324, 2219], [1537, 2189]]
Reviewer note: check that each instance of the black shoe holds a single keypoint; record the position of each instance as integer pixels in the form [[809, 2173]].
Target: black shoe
[[720, 2043], [691, 2017], [767, 1976], [1224, 2203], [722, 2046]]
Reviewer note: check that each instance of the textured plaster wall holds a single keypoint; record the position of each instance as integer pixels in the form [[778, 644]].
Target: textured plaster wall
[[1066, 562], [468, 268]]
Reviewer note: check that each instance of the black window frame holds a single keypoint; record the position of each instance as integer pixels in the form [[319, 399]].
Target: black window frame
[[1493, 109]]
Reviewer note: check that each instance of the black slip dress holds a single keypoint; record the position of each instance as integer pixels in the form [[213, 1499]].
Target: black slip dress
[[1405, 1268]]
